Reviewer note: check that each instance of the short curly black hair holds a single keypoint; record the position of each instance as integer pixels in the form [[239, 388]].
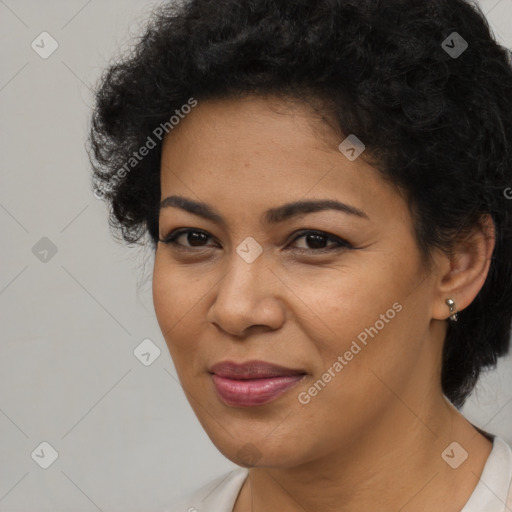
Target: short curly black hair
[[436, 122]]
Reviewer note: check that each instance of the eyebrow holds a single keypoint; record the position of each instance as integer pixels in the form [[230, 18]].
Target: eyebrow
[[272, 216]]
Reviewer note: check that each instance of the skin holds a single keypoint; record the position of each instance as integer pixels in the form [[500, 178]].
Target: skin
[[372, 438]]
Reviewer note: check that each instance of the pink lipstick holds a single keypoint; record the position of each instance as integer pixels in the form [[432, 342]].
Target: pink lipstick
[[252, 383]]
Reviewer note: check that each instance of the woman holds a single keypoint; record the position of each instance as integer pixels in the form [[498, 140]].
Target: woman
[[324, 184]]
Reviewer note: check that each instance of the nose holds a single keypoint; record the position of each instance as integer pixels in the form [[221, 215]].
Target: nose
[[248, 296]]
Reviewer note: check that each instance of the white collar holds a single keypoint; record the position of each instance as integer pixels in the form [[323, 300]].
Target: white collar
[[494, 487]]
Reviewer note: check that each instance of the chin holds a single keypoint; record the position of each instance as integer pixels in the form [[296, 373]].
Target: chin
[[268, 453]]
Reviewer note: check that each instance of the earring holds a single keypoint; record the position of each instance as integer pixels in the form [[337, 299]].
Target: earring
[[453, 312]]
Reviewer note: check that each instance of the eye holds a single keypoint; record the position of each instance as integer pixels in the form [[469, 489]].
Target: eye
[[317, 240], [193, 236]]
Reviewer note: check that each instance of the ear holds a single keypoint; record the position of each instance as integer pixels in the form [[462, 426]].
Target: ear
[[462, 273]]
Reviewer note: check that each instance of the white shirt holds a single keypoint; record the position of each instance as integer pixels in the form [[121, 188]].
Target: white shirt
[[493, 492]]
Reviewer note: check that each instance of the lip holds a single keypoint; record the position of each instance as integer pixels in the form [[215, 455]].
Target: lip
[[252, 383]]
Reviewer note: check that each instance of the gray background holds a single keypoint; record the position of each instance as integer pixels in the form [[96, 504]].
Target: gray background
[[126, 438]]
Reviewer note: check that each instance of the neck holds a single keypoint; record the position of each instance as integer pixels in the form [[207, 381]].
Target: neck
[[395, 465]]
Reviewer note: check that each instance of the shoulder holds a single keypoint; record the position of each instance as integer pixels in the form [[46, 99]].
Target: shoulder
[[508, 453], [219, 495], [493, 492], [503, 471]]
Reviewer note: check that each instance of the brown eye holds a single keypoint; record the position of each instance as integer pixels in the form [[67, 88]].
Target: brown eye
[[194, 237], [316, 241]]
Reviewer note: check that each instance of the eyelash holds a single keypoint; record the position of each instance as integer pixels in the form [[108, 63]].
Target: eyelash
[[340, 242]]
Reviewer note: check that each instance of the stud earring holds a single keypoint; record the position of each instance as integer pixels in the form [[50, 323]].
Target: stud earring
[[453, 312]]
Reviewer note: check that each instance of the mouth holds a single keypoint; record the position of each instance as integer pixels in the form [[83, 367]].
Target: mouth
[[253, 383]]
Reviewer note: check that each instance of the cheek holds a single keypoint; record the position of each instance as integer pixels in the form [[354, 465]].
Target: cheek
[[178, 298], [164, 298], [177, 292], [371, 329], [344, 305]]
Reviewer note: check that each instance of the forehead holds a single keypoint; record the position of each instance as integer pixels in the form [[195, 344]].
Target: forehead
[[251, 126], [258, 152]]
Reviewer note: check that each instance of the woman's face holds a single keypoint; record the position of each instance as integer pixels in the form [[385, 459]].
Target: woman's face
[[349, 308]]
